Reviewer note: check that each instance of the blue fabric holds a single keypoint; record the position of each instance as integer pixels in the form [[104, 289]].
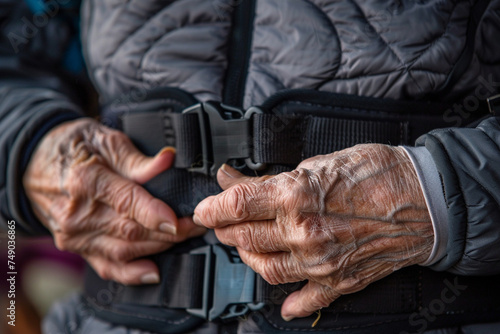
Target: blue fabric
[[73, 60], [36, 6]]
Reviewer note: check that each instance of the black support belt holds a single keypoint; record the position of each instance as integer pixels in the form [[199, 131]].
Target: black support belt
[[210, 282], [210, 134], [271, 138]]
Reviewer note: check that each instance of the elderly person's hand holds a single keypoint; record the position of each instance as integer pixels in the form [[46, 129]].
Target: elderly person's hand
[[83, 181], [340, 221]]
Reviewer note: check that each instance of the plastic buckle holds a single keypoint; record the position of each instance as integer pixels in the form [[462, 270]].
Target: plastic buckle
[[494, 104], [233, 286], [224, 137]]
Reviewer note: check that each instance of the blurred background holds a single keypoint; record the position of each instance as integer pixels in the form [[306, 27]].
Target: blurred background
[[44, 275]]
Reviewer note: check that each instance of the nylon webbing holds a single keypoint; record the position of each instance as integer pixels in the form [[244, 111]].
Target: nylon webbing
[[398, 293], [280, 141], [151, 131], [291, 139], [283, 139], [183, 288], [180, 288]]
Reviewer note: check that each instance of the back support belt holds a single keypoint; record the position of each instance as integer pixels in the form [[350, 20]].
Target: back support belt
[[200, 281], [209, 282], [288, 128]]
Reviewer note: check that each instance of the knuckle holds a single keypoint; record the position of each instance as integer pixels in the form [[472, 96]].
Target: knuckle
[[116, 146], [124, 199], [120, 254], [351, 284], [243, 238], [209, 219], [269, 277], [130, 231], [236, 202], [320, 298], [76, 181], [84, 180], [144, 208], [273, 274], [113, 139], [65, 225]]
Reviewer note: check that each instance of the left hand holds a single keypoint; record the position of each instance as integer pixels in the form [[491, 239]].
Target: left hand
[[340, 221]]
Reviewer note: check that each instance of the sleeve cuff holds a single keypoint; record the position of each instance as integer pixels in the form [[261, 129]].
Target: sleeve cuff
[[428, 177], [22, 150]]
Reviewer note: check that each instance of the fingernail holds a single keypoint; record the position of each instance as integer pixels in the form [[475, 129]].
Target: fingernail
[[231, 172], [288, 317], [167, 149], [150, 278], [168, 228], [196, 219]]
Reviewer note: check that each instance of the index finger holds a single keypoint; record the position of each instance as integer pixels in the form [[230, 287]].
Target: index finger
[[246, 201], [126, 197]]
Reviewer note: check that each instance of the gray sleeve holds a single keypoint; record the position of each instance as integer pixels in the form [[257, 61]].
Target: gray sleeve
[[26, 114], [432, 189], [37, 92], [468, 161]]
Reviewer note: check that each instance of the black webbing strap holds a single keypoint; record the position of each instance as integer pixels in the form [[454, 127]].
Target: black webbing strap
[[411, 300], [398, 293], [277, 139], [406, 298], [179, 288], [151, 131], [289, 139], [182, 287]]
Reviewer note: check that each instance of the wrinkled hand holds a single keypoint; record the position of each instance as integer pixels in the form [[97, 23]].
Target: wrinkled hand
[[83, 183], [340, 221]]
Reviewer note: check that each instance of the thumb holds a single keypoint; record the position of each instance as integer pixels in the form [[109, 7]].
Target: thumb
[[312, 297], [122, 156], [149, 167], [227, 177], [135, 166]]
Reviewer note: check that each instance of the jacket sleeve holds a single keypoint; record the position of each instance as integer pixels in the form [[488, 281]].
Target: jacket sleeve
[[468, 163], [35, 96]]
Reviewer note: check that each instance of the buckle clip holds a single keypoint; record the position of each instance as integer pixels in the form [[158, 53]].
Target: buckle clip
[[223, 137], [233, 286], [494, 104]]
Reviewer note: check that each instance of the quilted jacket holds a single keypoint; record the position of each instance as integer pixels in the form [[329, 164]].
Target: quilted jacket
[[444, 51], [244, 52]]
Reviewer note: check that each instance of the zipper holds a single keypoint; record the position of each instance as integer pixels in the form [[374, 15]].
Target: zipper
[[239, 53]]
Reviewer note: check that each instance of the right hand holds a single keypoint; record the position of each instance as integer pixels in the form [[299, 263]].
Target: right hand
[[83, 181]]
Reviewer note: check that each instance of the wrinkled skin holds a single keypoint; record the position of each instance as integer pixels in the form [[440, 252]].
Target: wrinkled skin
[[83, 182], [340, 221]]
